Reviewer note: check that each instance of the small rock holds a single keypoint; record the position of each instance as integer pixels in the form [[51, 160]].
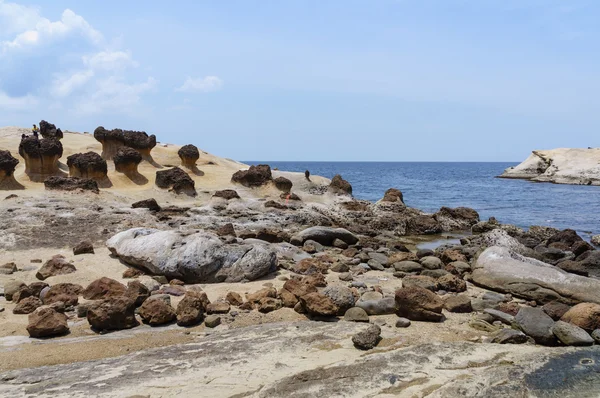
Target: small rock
[[571, 335], [57, 265], [402, 323], [356, 314], [375, 265], [46, 322], [431, 262], [503, 317], [27, 305], [384, 306], [269, 304], [84, 247], [408, 266], [218, 307], [596, 333], [234, 299], [157, 312], [345, 276], [8, 268], [509, 336], [424, 253], [367, 339], [212, 321], [459, 303]]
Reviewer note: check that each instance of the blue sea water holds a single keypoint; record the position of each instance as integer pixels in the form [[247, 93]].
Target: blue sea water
[[430, 185]]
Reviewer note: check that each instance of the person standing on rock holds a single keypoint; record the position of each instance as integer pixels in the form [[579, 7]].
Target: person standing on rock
[[35, 131], [307, 175]]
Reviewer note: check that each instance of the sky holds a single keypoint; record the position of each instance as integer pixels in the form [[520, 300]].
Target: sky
[[311, 80]]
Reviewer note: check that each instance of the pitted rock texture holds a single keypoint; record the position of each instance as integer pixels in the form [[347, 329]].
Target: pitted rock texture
[[71, 184], [340, 186], [127, 160], [177, 180], [8, 163], [48, 130], [41, 156], [87, 165], [255, 176], [189, 155], [113, 140]]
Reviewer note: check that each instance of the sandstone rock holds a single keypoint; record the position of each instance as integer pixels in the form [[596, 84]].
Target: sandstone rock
[[83, 247], [595, 240], [68, 293], [149, 204], [46, 322], [571, 335], [255, 297], [189, 155], [11, 287], [21, 294], [423, 225], [319, 304], [458, 303], [253, 177], [37, 287], [157, 312], [341, 296], [234, 299], [41, 157], [218, 307], [584, 315], [8, 268], [418, 304], [283, 184], [393, 195], [340, 244], [535, 323], [451, 256], [190, 310], [138, 292], [49, 130], [452, 283], [176, 180], [226, 230], [309, 266], [503, 317], [212, 321], [113, 140], [567, 236], [114, 313], [356, 314], [458, 267], [27, 305], [340, 186], [269, 304], [408, 266], [367, 339], [502, 270], [310, 246], [126, 161], [103, 288], [8, 163], [227, 194], [287, 298], [324, 235], [193, 258], [87, 165], [71, 184], [421, 253], [421, 281], [460, 218]]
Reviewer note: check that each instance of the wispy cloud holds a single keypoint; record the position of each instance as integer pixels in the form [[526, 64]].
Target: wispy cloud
[[201, 84]]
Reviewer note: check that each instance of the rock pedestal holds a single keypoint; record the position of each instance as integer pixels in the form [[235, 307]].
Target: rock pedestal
[[189, 155], [113, 140], [41, 157], [8, 163], [87, 165]]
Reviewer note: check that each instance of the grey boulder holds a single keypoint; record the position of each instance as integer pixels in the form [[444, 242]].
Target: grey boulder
[[324, 235], [537, 324], [570, 334]]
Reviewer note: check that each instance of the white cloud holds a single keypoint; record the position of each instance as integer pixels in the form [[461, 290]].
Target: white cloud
[[66, 85], [115, 94], [16, 18], [110, 60], [201, 84], [17, 103]]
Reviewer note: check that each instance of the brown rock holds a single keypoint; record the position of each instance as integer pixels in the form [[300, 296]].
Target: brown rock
[[458, 303], [298, 288], [57, 265], [227, 194], [310, 266], [103, 288], [255, 297], [584, 315], [157, 312], [27, 305], [84, 247], [451, 255], [21, 294], [316, 280], [425, 282], [418, 304], [393, 195], [269, 304], [226, 230], [253, 177], [283, 184], [555, 309], [132, 273], [511, 308], [452, 283], [218, 307], [8, 268], [234, 299], [68, 293], [340, 186], [402, 256], [46, 322], [114, 313], [319, 304], [37, 287], [287, 298], [138, 292], [190, 310]]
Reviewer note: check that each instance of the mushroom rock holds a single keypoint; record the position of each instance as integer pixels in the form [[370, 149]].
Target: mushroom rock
[[48, 130], [113, 140], [87, 165], [41, 157], [255, 176], [8, 163], [127, 160], [176, 180], [189, 154]]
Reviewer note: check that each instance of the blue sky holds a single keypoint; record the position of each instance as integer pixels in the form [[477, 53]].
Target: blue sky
[[387, 80]]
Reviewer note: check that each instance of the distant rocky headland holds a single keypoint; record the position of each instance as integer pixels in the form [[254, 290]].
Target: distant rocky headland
[[131, 267], [575, 166]]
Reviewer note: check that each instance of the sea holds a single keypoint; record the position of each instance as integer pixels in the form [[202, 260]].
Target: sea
[[431, 185]]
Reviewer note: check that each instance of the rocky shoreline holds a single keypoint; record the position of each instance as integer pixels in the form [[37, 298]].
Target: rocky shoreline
[[245, 281]]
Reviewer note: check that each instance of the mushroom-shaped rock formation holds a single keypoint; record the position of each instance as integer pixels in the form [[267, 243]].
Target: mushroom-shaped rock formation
[[189, 154], [340, 186], [177, 180], [253, 177], [71, 184], [127, 161], [113, 140], [41, 157], [283, 184], [87, 165], [8, 163], [48, 130]]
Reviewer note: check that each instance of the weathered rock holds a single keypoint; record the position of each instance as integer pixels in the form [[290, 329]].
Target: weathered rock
[[458, 267], [283, 184], [126, 161], [190, 310], [227, 194], [572, 335], [452, 255], [149, 204], [340, 186], [324, 235], [212, 321], [567, 236], [501, 316], [309, 266], [535, 323], [431, 262], [71, 184], [555, 309], [319, 304], [113, 140], [255, 297], [83, 247], [49, 130], [367, 339], [584, 315], [269, 304], [509, 336], [255, 176], [595, 240], [356, 314], [103, 288], [402, 323], [41, 157], [422, 281], [114, 313], [57, 265], [500, 269], [458, 303], [189, 155], [46, 322], [198, 257], [287, 298], [218, 307], [460, 218], [87, 165], [452, 283], [11, 287], [138, 292], [298, 288], [234, 299], [382, 306], [8, 268], [157, 312], [68, 293], [341, 296], [418, 304], [8, 163], [176, 180], [21, 294], [423, 225], [27, 305], [408, 266], [393, 195]]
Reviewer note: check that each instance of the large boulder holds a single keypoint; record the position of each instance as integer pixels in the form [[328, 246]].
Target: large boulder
[[41, 157], [418, 304], [324, 235], [8, 163], [113, 140], [103, 288], [189, 155], [190, 310], [537, 324], [71, 184], [584, 315], [114, 313], [255, 176], [47, 322], [87, 165], [192, 258], [49, 130], [340, 186], [458, 219], [319, 304], [157, 312], [177, 180], [503, 270], [423, 225], [57, 265], [68, 293]]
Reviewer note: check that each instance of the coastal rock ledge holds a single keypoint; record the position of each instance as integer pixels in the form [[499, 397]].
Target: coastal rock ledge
[[575, 166]]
